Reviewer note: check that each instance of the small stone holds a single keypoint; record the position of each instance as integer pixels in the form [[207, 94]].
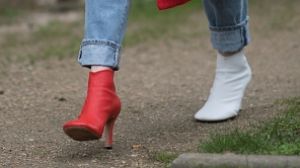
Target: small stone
[[1, 92], [61, 99], [136, 146], [83, 165]]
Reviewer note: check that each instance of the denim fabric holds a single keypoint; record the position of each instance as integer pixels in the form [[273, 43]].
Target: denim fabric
[[106, 21], [105, 24], [228, 20]]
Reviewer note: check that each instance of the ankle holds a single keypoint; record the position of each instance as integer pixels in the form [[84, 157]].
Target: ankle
[[99, 68]]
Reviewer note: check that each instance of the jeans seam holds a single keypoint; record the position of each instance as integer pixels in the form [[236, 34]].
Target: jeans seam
[[243, 41], [230, 28], [100, 42], [117, 57]]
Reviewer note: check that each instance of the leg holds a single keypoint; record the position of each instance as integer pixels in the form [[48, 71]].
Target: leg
[[228, 22], [229, 35], [105, 23]]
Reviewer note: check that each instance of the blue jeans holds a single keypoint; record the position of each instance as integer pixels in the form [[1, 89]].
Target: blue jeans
[[106, 22]]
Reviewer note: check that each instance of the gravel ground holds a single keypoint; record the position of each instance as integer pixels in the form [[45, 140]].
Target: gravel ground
[[161, 85]]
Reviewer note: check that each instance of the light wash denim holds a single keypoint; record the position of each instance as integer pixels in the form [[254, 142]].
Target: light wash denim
[[228, 20], [106, 22]]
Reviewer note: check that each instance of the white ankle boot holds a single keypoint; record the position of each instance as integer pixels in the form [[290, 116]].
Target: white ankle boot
[[232, 76]]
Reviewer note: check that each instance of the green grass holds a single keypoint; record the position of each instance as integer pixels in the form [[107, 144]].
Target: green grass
[[54, 40], [146, 22], [11, 11], [62, 39], [279, 136], [9, 15], [164, 157]]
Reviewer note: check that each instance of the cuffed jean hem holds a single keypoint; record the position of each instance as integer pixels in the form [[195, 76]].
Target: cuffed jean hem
[[230, 38], [99, 53]]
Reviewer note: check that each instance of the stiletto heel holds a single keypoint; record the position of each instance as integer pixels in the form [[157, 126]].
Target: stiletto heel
[[101, 108], [109, 133]]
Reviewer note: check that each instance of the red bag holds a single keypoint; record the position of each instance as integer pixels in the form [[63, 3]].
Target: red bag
[[165, 4]]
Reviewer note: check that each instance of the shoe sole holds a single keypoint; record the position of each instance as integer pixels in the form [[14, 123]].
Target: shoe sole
[[217, 121], [81, 133]]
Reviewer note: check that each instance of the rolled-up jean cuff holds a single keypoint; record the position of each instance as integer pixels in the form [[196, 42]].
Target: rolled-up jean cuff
[[230, 38], [99, 53]]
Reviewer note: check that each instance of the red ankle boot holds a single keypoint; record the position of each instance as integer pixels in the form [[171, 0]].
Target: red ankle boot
[[101, 109]]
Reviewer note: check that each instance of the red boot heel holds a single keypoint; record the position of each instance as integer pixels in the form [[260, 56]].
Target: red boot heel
[[101, 108], [109, 133]]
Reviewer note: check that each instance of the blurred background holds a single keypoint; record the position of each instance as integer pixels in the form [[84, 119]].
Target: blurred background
[[57, 25]]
